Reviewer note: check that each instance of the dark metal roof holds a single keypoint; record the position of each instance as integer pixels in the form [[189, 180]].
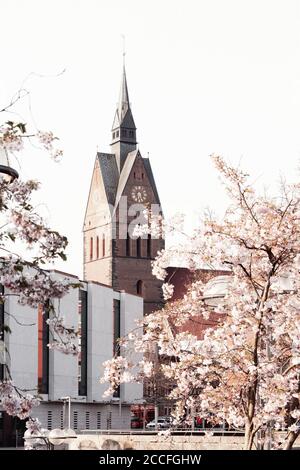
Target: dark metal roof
[[110, 174]]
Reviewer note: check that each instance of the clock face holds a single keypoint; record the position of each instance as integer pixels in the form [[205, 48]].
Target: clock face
[[139, 194]]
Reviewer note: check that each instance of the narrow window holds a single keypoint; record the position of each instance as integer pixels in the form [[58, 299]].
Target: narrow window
[[75, 419], [117, 134], [49, 420], [87, 420], [134, 175], [142, 176], [138, 247], [149, 246], [82, 358], [98, 419], [97, 248], [43, 350], [128, 243], [91, 248], [139, 287], [103, 245], [108, 420], [117, 334], [2, 333]]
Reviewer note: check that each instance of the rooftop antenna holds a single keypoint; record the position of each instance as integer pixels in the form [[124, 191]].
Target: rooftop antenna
[[124, 48]]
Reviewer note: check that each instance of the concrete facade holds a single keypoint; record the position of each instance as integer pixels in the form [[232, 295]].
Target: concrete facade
[[89, 411]]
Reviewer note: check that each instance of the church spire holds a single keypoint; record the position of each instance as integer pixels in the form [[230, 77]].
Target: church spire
[[123, 129], [123, 104]]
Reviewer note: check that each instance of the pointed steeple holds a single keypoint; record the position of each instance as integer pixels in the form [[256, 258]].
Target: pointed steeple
[[123, 129], [124, 104]]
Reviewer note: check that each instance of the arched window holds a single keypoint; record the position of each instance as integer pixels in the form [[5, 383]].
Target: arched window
[[103, 245], [138, 247], [91, 248], [139, 287], [128, 245], [97, 248], [149, 246]]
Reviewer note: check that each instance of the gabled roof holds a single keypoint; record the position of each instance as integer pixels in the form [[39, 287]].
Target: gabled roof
[[110, 174], [128, 120], [148, 169], [116, 123], [127, 167]]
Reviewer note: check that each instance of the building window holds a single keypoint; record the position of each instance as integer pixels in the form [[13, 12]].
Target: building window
[[117, 325], [49, 420], [131, 133], [108, 420], [142, 176], [128, 245], [117, 134], [98, 419], [117, 334], [134, 175], [138, 247], [82, 358], [43, 350], [103, 245], [123, 133], [62, 424], [97, 247], [114, 135], [139, 287], [91, 248], [75, 419], [149, 242], [87, 420]]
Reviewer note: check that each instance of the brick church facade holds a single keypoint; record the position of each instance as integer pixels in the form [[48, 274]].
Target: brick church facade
[[122, 187]]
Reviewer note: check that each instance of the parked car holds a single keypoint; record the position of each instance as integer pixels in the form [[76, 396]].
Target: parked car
[[136, 423], [163, 422]]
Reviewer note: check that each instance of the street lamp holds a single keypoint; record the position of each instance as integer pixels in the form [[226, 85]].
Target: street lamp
[[68, 399], [7, 173]]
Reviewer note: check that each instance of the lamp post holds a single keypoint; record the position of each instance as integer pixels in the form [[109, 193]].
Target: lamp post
[[68, 399], [7, 173]]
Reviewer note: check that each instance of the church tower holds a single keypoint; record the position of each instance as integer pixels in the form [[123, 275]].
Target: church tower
[[122, 187]]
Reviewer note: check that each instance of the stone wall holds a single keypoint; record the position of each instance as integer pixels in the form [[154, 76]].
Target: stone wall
[[154, 442]]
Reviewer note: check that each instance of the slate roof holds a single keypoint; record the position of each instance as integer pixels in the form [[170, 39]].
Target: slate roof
[[114, 186], [110, 174]]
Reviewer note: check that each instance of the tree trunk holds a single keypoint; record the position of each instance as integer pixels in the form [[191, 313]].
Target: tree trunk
[[249, 436], [292, 436]]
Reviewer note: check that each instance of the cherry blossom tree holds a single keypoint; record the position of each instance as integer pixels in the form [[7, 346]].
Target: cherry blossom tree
[[246, 368], [27, 246]]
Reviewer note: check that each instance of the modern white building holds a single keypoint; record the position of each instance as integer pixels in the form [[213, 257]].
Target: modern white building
[[102, 315]]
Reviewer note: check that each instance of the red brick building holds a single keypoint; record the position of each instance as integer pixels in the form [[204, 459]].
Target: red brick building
[[122, 187]]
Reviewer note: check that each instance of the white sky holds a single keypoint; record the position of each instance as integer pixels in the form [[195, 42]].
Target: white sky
[[204, 76]]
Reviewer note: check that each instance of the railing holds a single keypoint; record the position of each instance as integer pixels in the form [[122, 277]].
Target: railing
[[173, 432]]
